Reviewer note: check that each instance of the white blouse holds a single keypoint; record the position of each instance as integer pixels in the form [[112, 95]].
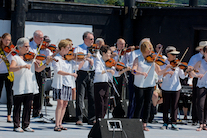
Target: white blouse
[[203, 81], [172, 83], [24, 79], [123, 58], [3, 68], [133, 55], [99, 68], [66, 66], [144, 66]]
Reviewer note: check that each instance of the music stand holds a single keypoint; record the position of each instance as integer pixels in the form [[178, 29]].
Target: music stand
[[43, 96]]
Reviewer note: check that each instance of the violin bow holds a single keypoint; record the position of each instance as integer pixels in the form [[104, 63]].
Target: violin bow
[[118, 61], [37, 53], [183, 56], [154, 61], [9, 53]]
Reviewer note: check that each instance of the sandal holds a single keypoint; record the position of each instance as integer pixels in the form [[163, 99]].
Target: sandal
[[145, 129], [57, 129], [204, 128], [199, 129], [62, 128]]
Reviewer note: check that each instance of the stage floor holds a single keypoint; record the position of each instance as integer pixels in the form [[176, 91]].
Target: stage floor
[[45, 130]]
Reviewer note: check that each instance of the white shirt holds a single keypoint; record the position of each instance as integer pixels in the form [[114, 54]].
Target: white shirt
[[3, 68], [24, 79], [203, 81], [99, 68], [194, 59], [172, 83], [122, 58], [132, 56], [84, 48], [143, 66], [68, 80], [33, 48], [58, 79]]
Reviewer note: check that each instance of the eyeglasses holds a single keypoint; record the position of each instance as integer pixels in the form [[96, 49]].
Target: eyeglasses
[[27, 46], [91, 39]]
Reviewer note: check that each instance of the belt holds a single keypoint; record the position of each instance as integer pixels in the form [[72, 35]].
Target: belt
[[83, 71]]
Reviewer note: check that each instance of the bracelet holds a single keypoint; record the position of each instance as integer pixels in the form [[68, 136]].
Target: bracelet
[[46, 65]]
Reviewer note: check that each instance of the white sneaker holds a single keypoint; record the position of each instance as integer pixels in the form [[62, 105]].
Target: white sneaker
[[28, 129], [19, 129]]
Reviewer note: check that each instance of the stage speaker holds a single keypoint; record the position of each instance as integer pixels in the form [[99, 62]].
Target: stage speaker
[[117, 128]]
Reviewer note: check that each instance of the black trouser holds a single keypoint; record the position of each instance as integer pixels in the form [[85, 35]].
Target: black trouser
[[9, 92], [84, 84], [202, 105], [143, 101], [101, 94], [152, 113], [132, 101], [170, 99], [37, 100], [26, 99], [194, 99]]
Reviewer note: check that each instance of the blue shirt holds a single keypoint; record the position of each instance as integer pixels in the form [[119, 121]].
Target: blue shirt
[[84, 48]]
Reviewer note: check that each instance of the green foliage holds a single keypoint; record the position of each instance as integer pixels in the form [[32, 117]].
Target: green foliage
[[121, 2], [114, 2]]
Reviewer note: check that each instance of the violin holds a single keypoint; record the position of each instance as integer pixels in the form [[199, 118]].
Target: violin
[[10, 48], [129, 49], [111, 62], [69, 56], [182, 65], [72, 56], [29, 56], [51, 47], [94, 48], [44, 45], [159, 60]]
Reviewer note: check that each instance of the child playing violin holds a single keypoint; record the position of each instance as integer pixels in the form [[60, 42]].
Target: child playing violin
[[25, 85], [103, 75], [62, 82], [144, 82]]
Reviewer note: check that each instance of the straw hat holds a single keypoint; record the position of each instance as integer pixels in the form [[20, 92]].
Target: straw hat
[[202, 44], [171, 50]]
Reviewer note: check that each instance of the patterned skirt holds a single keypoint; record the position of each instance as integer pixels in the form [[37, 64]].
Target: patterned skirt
[[64, 94]]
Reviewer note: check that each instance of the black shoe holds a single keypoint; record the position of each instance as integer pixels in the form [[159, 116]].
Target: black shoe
[[9, 121], [92, 122], [194, 123], [49, 104], [80, 123]]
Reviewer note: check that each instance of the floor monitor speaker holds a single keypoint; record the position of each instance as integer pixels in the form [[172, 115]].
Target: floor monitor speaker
[[117, 128]]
